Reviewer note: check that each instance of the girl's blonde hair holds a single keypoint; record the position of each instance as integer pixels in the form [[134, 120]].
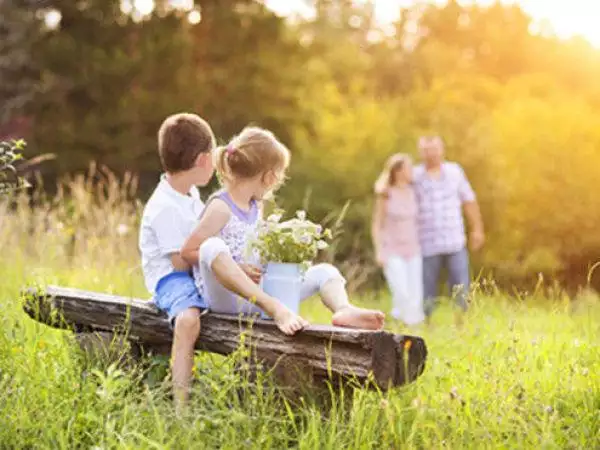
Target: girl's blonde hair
[[386, 178], [253, 152]]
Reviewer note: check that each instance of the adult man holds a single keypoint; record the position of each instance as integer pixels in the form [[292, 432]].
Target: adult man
[[443, 191]]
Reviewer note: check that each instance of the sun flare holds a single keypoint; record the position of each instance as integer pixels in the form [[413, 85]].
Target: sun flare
[[564, 18]]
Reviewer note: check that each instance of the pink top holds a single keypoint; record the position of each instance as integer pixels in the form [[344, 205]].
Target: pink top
[[400, 233]]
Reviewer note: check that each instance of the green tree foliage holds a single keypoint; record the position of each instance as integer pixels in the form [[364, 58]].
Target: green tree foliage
[[518, 110], [10, 152], [19, 28]]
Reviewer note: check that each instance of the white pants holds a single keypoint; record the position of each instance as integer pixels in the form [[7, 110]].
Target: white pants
[[405, 279], [221, 300]]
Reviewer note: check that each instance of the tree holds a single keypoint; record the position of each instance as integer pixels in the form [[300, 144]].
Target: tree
[[10, 152], [19, 74]]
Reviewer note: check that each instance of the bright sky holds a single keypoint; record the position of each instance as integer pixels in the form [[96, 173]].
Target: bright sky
[[566, 17]]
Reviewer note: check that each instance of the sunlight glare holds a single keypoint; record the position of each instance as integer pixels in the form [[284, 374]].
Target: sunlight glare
[[566, 18], [194, 17]]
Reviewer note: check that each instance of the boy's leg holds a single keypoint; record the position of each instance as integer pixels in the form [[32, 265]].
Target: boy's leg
[[187, 330], [329, 282], [431, 276], [176, 294]]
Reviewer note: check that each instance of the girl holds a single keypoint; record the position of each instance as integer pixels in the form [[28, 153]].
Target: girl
[[395, 235], [251, 167]]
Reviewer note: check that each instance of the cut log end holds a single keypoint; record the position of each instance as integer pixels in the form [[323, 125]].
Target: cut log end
[[373, 358]]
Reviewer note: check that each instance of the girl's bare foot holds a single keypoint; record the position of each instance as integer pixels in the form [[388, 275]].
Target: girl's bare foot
[[355, 317], [289, 322]]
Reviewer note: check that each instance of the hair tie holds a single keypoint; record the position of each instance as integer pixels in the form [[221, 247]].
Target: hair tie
[[230, 149]]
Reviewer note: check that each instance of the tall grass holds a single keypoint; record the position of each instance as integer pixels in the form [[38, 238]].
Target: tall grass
[[521, 373]]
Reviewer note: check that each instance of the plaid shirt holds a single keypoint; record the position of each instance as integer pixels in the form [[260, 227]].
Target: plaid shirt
[[441, 224]]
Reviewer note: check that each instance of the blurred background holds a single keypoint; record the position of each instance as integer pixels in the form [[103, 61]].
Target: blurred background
[[513, 88]]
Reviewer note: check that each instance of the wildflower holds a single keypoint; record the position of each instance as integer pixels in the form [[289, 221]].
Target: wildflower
[[407, 345], [454, 393], [305, 239], [41, 344], [274, 218], [322, 245], [384, 403]]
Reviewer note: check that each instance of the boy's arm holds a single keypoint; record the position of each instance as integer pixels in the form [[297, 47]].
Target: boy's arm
[[179, 264], [215, 217], [168, 228]]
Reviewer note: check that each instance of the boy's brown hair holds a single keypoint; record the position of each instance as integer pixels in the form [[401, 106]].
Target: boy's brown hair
[[181, 138]]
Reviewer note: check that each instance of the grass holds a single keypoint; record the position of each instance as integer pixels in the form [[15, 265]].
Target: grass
[[521, 373]]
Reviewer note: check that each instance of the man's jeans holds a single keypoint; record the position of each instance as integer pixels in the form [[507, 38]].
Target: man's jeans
[[457, 265]]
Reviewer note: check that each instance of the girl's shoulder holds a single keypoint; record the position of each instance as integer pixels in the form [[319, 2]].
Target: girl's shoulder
[[217, 205]]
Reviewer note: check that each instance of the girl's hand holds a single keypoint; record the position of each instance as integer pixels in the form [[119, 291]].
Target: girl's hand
[[287, 321], [254, 272]]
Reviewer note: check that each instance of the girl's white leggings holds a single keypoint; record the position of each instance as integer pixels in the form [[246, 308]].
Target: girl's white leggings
[[221, 300]]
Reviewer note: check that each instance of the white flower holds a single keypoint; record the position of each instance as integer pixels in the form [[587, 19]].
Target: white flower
[[274, 218], [322, 245], [122, 229], [305, 239], [301, 215]]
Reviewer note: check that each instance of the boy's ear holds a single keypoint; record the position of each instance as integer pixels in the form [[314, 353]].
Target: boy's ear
[[203, 160]]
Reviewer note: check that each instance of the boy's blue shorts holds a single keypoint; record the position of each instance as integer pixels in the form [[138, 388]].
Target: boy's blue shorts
[[177, 292]]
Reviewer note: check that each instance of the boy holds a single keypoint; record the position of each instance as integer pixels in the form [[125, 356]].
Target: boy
[[185, 143]]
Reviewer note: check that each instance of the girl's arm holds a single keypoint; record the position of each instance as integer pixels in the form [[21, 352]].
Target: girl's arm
[[215, 217], [377, 223]]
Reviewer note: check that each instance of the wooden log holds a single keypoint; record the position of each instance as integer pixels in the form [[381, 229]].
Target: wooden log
[[318, 352]]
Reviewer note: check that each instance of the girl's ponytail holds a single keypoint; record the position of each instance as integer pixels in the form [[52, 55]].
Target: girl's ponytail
[[220, 162]]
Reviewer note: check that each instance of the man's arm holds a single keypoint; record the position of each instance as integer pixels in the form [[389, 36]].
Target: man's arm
[[472, 212], [476, 233]]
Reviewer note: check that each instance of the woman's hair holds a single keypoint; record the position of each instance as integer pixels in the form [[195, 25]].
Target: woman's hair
[[253, 152], [386, 178]]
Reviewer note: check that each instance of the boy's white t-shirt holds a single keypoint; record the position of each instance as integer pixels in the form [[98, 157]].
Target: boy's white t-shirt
[[169, 218]]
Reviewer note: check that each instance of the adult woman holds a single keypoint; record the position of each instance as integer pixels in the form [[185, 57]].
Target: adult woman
[[396, 238]]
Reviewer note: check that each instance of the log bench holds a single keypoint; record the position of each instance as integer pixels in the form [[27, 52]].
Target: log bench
[[377, 359]]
